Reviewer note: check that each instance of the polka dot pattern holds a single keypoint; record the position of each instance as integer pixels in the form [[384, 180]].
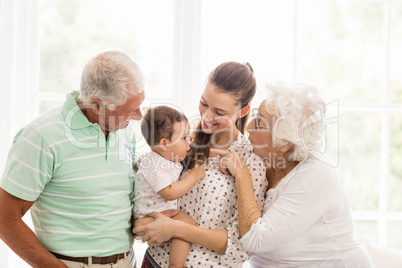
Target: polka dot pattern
[[212, 203]]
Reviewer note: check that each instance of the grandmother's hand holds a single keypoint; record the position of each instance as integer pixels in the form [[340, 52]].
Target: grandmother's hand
[[159, 230], [229, 162]]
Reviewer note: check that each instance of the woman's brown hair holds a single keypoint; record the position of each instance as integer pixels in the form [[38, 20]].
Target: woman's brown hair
[[232, 78]]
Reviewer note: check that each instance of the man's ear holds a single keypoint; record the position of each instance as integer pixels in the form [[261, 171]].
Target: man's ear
[[95, 104], [244, 111], [163, 144]]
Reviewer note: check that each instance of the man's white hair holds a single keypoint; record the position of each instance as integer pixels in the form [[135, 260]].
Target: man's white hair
[[298, 112], [112, 77]]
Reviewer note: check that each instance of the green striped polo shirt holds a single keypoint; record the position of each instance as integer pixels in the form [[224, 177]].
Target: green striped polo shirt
[[81, 183]]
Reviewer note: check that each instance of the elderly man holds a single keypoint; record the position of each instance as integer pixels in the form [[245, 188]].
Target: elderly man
[[73, 168]]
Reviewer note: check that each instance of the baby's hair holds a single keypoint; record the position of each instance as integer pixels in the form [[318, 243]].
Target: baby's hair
[[158, 122]]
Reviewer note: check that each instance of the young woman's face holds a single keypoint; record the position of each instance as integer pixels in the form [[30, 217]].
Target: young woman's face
[[219, 111]]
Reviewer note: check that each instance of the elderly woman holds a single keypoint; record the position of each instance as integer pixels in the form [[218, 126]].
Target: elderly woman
[[306, 221]]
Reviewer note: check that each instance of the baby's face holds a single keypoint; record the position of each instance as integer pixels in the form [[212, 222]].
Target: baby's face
[[179, 144]]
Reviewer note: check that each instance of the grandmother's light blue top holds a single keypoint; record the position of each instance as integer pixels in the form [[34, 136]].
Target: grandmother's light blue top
[[81, 183]]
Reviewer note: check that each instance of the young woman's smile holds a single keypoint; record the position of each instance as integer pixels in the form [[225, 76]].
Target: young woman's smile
[[218, 110]]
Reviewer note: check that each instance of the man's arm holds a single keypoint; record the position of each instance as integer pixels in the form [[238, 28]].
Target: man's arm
[[19, 237]]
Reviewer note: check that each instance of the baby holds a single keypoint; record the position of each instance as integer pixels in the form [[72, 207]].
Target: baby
[[156, 184]]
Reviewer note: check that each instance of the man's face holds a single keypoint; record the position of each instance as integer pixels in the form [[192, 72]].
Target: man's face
[[113, 117]]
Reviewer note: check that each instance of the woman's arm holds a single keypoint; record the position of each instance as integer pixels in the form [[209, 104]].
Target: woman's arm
[[164, 228], [145, 220], [249, 212]]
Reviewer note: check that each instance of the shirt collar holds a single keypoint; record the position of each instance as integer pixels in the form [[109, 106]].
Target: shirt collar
[[73, 116]]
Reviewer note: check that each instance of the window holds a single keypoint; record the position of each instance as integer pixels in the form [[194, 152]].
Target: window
[[349, 50], [247, 31], [73, 32]]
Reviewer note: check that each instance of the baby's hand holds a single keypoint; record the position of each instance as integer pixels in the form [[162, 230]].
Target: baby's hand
[[198, 172]]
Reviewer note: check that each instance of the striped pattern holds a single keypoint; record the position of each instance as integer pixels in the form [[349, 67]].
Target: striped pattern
[[81, 183]]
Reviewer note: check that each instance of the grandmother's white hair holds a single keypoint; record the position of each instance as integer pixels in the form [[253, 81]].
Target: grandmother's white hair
[[112, 77], [299, 118]]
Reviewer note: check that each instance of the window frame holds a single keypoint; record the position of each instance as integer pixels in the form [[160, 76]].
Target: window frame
[[186, 80]]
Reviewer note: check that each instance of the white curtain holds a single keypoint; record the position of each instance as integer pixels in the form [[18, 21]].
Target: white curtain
[[19, 68]]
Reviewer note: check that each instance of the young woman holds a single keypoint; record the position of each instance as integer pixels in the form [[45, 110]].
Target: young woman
[[224, 108]]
